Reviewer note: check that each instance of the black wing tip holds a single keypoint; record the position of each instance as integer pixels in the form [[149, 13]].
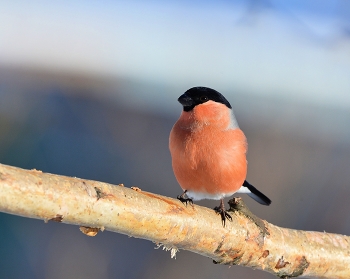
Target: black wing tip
[[256, 194]]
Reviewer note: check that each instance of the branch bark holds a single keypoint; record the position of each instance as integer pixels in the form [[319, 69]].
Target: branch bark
[[247, 241]]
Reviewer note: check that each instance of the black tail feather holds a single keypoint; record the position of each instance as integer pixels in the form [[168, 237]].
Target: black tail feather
[[256, 194]]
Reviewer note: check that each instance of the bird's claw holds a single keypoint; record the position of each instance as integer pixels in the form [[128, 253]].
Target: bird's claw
[[224, 215], [185, 200]]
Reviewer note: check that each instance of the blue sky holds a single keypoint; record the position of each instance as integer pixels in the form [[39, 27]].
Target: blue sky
[[289, 49]]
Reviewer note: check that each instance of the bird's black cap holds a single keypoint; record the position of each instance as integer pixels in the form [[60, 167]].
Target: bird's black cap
[[199, 95]]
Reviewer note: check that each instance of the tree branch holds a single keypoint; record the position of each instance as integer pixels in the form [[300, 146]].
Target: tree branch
[[247, 241]]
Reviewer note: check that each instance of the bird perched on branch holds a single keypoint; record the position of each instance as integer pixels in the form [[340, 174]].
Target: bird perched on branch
[[208, 151]]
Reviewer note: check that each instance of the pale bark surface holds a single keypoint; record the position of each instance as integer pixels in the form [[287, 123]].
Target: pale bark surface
[[247, 241]]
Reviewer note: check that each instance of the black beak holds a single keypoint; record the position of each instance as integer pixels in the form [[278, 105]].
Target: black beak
[[185, 100]]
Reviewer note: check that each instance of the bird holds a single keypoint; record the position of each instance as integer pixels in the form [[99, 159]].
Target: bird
[[208, 151]]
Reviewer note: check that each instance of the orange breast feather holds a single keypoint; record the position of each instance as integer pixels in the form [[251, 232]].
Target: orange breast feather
[[206, 156]]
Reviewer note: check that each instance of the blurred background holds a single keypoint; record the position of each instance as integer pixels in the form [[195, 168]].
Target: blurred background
[[89, 89]]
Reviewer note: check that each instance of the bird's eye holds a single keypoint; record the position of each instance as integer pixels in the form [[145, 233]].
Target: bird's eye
[[203, 99]]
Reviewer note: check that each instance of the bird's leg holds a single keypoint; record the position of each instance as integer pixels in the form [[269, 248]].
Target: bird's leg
[[221, 210], [184, 200]]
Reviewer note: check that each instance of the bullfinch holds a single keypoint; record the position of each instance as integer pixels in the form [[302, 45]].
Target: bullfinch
[[208, 151]]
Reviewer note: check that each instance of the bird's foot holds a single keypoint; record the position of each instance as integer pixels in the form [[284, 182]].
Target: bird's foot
[[185, 200], [223, 213]]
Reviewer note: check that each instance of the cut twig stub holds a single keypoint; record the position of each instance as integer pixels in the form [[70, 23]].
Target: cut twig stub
[[89, 231]]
